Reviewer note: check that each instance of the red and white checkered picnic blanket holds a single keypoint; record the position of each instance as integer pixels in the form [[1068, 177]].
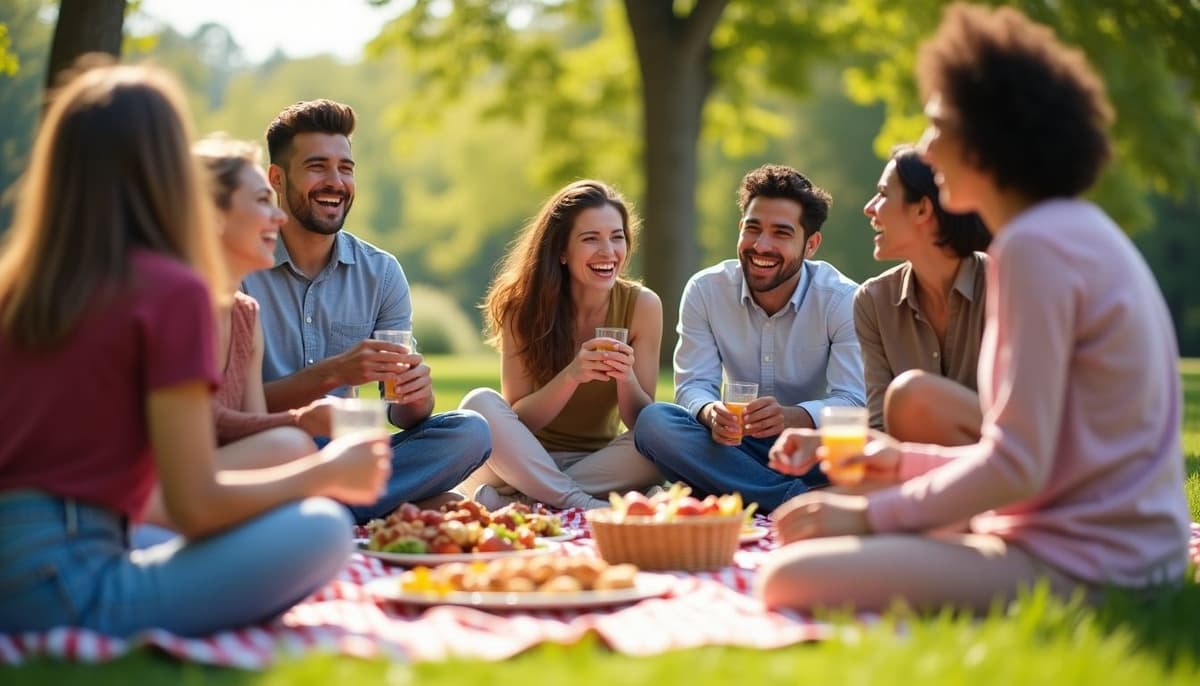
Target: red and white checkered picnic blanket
[[702, 609]]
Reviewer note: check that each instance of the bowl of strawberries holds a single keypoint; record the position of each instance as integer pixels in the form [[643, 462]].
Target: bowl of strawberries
[[670, 530]]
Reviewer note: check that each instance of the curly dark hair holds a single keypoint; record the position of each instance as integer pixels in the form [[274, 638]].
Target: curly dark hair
[[962, 233], [778, 181], [1030, 110], [308, 116]]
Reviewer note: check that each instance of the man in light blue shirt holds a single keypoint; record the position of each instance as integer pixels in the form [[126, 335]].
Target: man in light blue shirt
[[771, 317], [328, 292]]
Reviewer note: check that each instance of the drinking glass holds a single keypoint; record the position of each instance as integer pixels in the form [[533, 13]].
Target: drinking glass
[[736, 395], [353, 415], [398, 337], [844, 433], [619, 334]]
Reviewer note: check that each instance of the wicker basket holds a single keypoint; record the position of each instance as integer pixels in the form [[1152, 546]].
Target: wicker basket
[[690, 544]]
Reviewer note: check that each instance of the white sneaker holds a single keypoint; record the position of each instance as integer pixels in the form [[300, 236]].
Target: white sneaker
[[655, 490], [491, 498]]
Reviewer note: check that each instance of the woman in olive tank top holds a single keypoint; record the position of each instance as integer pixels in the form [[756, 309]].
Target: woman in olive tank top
[[564, 391]]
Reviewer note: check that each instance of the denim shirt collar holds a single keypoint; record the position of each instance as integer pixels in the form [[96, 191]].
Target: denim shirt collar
[[343, 252]]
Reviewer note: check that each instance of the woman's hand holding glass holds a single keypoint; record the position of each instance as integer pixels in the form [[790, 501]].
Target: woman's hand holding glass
[[355, 468], [796, 451], [601, 359]]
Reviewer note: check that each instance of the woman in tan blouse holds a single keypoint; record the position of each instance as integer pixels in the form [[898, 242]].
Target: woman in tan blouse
[[565, 391], [920, 324]]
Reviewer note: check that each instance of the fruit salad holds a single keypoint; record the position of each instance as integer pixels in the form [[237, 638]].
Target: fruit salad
[[462, 526], [676, 503]]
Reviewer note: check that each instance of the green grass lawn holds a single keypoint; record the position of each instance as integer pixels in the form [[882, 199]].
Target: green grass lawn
[[1035, 641]]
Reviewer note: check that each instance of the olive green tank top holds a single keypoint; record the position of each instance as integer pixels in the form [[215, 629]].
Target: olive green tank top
[[590, 420]]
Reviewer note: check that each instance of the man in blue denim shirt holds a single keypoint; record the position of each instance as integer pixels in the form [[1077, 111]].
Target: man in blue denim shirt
[[328, 292], [771, 317]]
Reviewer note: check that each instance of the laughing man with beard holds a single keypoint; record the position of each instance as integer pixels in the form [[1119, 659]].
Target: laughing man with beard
[[772, 317], [328, 292]]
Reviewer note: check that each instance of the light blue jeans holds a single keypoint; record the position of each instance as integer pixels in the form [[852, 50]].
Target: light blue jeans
[[431, 458], [63, 563], [683, 450]]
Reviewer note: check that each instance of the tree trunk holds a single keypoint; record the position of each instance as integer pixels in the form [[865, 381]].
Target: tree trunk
[[673, 56], [84, 26]]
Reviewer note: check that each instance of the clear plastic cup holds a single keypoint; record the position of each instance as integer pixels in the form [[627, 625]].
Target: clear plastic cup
[[736, 395], [844, 433], [397, 337], [617, 333], [354, 415]]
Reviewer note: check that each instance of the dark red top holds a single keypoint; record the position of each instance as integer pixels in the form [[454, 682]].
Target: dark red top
[[74, 417]]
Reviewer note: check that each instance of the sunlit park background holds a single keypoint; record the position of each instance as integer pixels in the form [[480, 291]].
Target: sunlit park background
[[471, 112]]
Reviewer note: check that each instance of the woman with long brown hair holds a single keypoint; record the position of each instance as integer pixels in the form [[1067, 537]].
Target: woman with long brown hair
[[107, 347], [565, 390]]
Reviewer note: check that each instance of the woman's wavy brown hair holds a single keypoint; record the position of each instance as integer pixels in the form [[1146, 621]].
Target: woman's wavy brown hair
[[111, 170], [531, 293]]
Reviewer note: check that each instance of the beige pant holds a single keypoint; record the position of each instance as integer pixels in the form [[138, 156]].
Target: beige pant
[[926, 572], [559, 479]]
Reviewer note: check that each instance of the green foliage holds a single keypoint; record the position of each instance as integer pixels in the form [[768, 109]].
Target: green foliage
[[20, 92], [1144, 50], [9, 62], [440, 325]]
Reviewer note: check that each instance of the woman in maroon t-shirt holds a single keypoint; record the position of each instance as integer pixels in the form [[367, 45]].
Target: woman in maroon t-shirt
[[248, 221], [107, 347]]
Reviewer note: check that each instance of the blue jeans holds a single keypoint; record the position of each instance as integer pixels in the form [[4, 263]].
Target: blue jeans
[[683, 450], [64, 563], [431, 458]]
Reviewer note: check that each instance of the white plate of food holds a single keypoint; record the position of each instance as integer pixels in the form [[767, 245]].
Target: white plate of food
[[566, 535], [646, 585], [430, 559], [750, 534]]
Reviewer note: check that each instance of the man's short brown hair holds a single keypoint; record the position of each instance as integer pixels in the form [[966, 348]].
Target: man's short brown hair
[[307, 116]]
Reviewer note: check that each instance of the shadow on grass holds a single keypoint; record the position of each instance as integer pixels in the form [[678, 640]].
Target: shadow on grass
[[1166, 624]]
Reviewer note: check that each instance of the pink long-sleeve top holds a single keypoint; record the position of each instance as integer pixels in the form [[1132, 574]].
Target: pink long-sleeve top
[[1080, 460]]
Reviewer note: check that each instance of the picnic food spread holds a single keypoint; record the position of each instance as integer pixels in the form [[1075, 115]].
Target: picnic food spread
[[463, 526], [521, 575]]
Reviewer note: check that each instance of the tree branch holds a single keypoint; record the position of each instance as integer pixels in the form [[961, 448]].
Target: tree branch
[[700, 24]]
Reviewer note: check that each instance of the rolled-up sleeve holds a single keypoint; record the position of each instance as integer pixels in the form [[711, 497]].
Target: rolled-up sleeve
[[844, 372], [877, 373], [697, 358]]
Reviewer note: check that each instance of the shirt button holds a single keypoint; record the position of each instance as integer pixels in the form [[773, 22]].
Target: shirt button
[[936, 355], [310, 361], [766, 358], [308, 320]]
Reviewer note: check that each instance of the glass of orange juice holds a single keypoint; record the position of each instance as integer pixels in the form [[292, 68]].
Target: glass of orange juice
[[398, 337], [844, 433], [735, 396], [614, 332]]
